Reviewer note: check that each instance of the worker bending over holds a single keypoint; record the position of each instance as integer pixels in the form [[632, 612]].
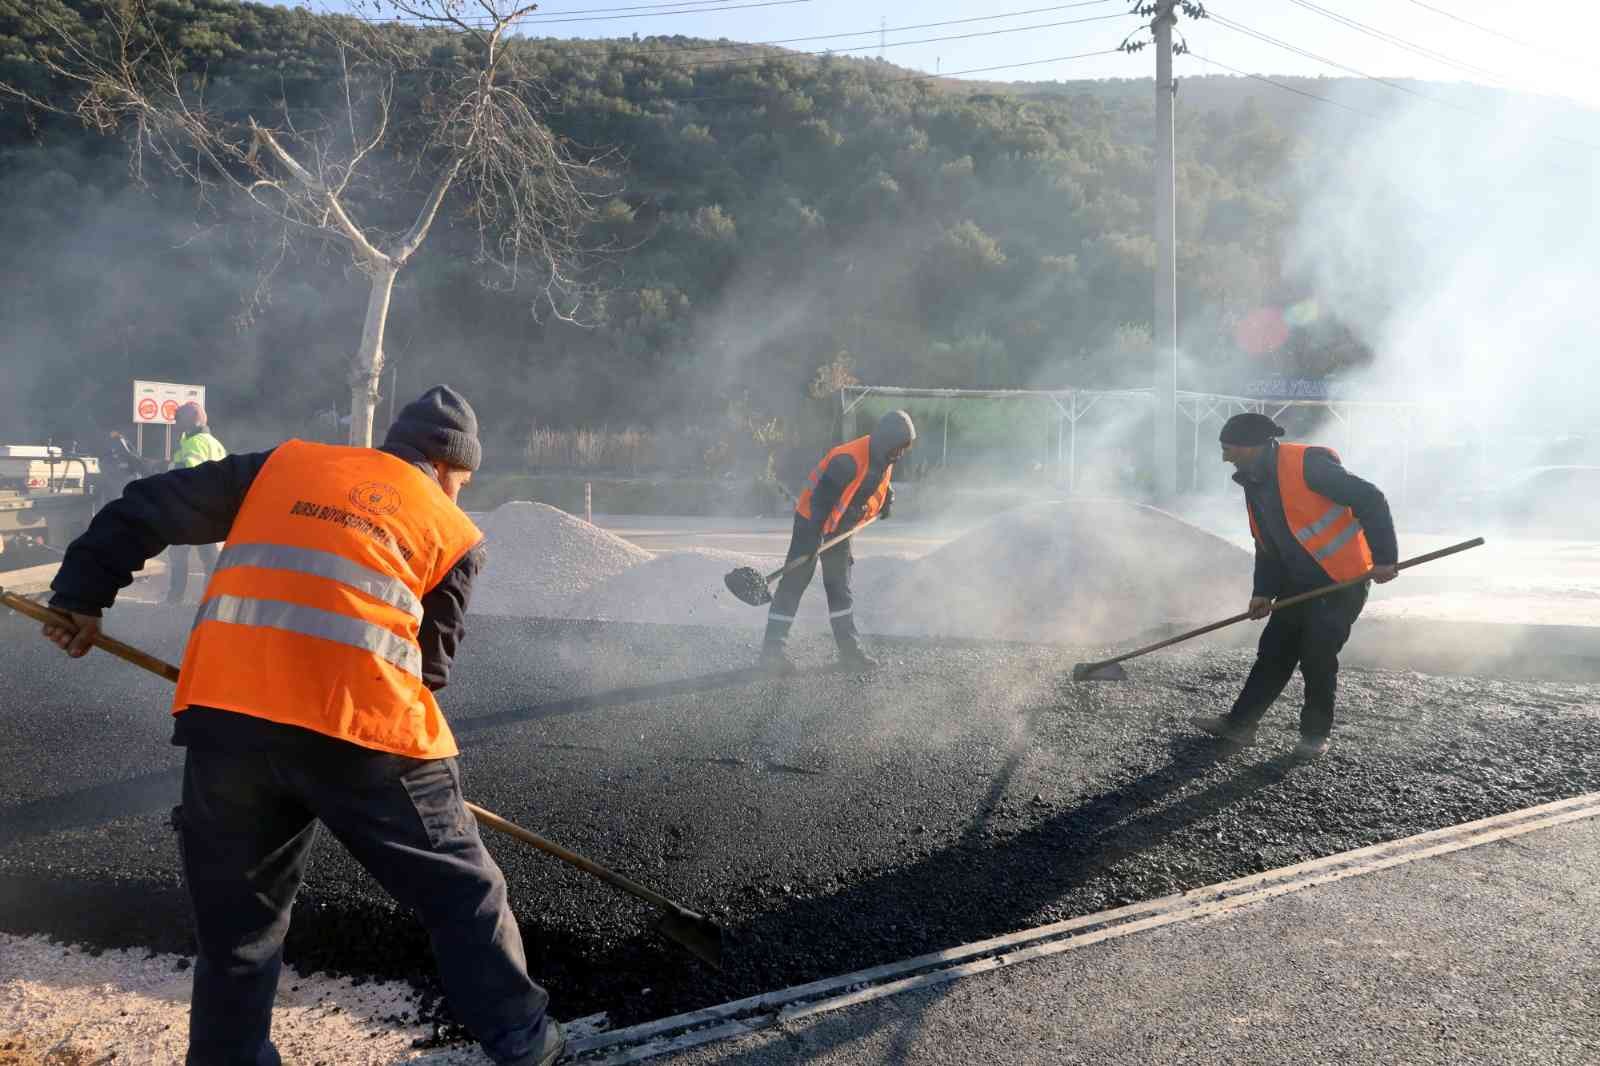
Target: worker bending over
[[306, 695], [1315, 524], [849, 486]]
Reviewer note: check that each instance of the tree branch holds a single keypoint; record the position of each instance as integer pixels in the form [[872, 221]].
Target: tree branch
[[419, 230]]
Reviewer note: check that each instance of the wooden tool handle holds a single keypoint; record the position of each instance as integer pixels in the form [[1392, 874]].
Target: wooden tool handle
[[824, 547], [1289, 602], [550, 847], [50, 616]]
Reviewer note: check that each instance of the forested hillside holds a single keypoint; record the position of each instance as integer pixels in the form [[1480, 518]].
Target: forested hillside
[[775, 221]]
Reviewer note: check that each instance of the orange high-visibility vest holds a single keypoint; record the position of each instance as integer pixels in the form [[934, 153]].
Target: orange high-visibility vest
[[311, 617], [860, 450], [1328, 531]]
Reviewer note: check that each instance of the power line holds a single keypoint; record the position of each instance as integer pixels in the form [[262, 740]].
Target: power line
[[1400, 42], [1228, 23], [852, 33], [483, 20], [901, 44], [645, 52], [1503, 36], [863, 33], [1281, 85], [542, 14], [910, 78]]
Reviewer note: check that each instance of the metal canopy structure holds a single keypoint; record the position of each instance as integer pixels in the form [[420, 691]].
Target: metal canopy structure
[[1198, 407], [1399, 417], [1071, 406]]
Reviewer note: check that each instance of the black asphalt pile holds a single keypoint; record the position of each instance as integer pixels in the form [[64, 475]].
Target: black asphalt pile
[[828, 821]]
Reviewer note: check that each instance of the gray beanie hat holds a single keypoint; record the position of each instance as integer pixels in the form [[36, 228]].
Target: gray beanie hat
[[894, 430], [1250, 430], [441, 426]]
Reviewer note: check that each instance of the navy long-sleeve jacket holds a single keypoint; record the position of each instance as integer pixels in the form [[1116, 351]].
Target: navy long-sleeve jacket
[[1283, 566], [198, 506]]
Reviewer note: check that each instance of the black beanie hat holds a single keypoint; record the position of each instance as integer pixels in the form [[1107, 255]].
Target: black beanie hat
[[1250, 430], [441, 426]]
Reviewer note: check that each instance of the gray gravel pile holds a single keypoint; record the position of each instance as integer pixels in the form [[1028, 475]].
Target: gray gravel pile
[[1073, 571], [539, 557], [1083, 571]]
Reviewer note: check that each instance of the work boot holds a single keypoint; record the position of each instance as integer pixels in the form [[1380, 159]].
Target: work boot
[[851, 657], [1311, 748], [1225, 728], [551, 1045], [775, 661]]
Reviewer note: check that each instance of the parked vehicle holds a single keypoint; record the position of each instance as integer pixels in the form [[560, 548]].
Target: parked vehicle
[[1558, 501]]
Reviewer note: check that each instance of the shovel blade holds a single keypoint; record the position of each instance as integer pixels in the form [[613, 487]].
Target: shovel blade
[[699, 935], [749, 585], [1099, 672]]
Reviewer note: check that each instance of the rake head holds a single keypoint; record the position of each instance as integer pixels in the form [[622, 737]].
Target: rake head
[[1099, 672], [699, 935], [749, 585]]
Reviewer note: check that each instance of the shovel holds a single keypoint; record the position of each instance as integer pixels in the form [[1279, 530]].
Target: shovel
[[1111, 669], [695, 932], [751, 586]]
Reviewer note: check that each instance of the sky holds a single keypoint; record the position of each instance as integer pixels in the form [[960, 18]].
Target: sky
[[1529, 48]]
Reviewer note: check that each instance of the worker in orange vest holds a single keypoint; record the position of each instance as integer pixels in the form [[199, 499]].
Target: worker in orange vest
[[306, 695], [1315, 524], [848, 487]]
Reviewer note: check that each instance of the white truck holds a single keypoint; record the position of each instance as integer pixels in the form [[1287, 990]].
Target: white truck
[[47, 496]]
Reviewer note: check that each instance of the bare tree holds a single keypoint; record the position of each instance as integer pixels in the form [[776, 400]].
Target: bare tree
[[475, 138]]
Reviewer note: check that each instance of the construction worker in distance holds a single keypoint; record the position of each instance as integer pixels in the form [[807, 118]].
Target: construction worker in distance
[[196, 445], [1315, 524], [306, 695], [849, 486]]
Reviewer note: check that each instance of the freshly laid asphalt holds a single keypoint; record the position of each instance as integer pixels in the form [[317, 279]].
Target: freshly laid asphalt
[[828, 821]]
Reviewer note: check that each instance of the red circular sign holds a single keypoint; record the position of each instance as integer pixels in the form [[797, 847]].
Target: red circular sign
[[169, 410], [147, 408], [1261, 331]]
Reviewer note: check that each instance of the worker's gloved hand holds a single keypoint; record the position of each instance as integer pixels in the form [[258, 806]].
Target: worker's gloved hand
[[852, 518], [77, 641], [1260, 606], [1384, 573], [888, 502]]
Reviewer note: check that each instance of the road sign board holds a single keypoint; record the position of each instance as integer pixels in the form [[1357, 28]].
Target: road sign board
[[158, 401]]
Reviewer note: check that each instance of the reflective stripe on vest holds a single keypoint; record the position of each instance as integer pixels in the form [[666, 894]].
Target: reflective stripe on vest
[[1338, 542], [380, 587], [314, 622], [1315, 521]]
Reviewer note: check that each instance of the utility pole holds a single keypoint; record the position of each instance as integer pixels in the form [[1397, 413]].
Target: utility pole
[[1166, 305]]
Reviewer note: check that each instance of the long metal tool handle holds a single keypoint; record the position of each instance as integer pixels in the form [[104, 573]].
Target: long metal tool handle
[[803, 560], [550, 847], [1289, 602], [50, 616]]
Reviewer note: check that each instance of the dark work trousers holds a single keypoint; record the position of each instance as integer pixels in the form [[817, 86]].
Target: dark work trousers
[[178, 561], [836, 564], [1310, 636], [245, 830]]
